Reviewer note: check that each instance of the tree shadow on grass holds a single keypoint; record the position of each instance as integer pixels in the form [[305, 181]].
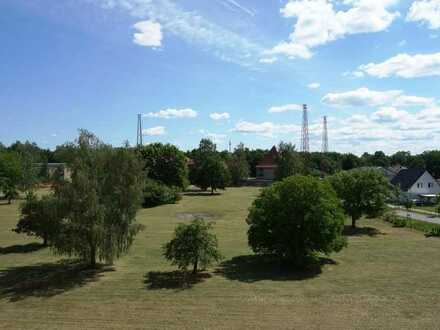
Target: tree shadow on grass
[[47, 280], [176, 280], [254, 268], [27, 248], [201, 193], [361, 231]]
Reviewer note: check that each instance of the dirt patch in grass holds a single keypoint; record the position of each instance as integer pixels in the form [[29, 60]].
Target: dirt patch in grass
[[189, 216]]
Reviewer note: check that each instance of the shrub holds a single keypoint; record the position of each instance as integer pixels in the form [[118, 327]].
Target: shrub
[[39, 217], [156, 193], [295, 219], [430, 229], [193, 244], [434, 232]]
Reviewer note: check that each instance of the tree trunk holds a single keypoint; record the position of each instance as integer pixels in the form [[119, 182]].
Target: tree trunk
[[44, 241], [353, 222], [93, 256], [212, 191], [195, 267]]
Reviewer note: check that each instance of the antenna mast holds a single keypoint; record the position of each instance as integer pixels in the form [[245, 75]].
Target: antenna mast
[[139, 141], [305, 145], [325, 136]]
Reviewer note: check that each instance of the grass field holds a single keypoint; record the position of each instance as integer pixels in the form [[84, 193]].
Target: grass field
[[386, 278]]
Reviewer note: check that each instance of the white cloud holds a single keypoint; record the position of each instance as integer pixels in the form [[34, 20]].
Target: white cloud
[[354, 74], [318, 23], [216, 138], [220, 116], [267, 129], [314, 85], [425, 11], [154, 131], [268, 60], [173, 113], [363, 97], [193, 29], [149, 35], [285, 108], [405, 66]]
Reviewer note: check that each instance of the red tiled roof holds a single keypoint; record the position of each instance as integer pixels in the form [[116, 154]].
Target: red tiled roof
[[269, 158]]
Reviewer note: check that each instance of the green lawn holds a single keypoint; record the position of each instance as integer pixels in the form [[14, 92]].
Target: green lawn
[[386, 278]]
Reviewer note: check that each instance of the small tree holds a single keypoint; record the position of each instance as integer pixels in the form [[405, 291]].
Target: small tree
[[39, 217], [361, 192], [192, 245], [213, 174], [288, 161], [10, 175], [296, 218], [100, 201]]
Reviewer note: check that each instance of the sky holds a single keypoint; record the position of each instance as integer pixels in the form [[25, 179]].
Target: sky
[[228, 70]]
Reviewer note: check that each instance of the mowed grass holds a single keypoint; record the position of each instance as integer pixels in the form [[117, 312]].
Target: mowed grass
[[387, 278]]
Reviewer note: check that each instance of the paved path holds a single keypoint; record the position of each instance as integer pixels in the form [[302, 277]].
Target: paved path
[[418, 216]]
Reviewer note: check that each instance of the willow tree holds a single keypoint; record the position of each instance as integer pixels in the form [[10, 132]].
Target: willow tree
[[100, 201]]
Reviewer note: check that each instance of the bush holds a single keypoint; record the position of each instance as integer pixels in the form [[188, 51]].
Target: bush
[[430, 229], [156, 193], [193, 244], [40, 217], [295, 219]]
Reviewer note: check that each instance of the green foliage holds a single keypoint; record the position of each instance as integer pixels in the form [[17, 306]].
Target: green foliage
[[40, 217], [165, 163], [238, 166], [156, 193], [295, 219], [362, 192], [288, 161], [100, 201], [213, 174], [349, 162], [408, 204], [430, 229], [193, 245]]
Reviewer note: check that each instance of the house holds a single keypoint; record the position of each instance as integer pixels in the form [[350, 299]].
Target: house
[[49, 170], [417, 183], [267, 166], [388, 172]]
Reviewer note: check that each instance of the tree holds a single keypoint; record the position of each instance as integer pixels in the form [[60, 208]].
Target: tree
[[10, 175], [193, 244], [361, 192], [296, 218], [288, 161], [213, 174], [350, 161], [100, 201], [165, 163], [238, 166], [40, 217]]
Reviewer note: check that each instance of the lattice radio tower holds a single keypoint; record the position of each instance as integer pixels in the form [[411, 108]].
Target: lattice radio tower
[[305, 142], [324, 135], [139, 141]]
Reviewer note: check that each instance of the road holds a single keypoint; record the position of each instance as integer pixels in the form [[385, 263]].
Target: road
[[418, 216]]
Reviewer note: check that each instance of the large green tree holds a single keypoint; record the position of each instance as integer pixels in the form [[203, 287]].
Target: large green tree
[[193, 245], [165, 163], [362, 192], [11, 173], [238, 165], [296, 218], [213, 174], [288, 161], [100, 201]]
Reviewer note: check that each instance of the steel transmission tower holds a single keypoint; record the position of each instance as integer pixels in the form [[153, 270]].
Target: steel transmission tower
[[324, 136], [139, 141], [305, 142]]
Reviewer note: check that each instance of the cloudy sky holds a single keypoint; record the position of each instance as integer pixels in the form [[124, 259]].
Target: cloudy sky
[[224, 69]]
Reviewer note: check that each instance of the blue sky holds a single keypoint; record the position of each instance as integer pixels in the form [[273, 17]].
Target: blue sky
[[224, 69]]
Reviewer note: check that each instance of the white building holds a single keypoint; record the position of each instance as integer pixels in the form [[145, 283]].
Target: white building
[[417, 183]]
